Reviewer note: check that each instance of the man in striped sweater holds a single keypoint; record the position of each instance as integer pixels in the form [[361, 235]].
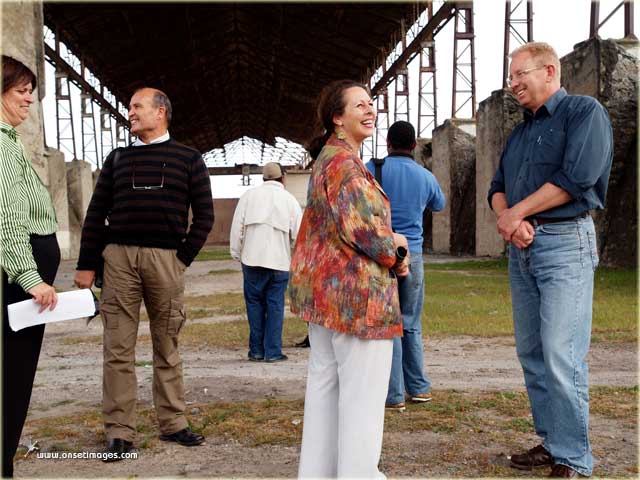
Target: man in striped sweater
[[144, 193]]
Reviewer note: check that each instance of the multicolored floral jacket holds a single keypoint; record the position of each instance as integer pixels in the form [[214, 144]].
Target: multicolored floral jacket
[[340, 276]]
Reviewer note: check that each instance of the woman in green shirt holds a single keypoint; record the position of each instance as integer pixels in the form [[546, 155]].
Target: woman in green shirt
[[29, 253]]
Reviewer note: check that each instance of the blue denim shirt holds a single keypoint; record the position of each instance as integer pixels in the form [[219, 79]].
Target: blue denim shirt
[[569, 143], [410, 188]]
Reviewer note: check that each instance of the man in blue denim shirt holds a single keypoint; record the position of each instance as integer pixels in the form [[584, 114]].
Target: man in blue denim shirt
[[554, 169], [411, 189]]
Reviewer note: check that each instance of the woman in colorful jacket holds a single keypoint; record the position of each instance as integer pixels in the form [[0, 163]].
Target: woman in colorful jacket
[[343, 284], [29, 254]]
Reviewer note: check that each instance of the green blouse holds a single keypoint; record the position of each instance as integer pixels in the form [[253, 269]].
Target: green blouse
[[25, 209]]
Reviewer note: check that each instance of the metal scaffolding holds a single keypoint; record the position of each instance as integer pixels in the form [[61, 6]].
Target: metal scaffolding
[[382, 124], [464, 70], [514, 26], [427, 101], [70, 70], [106, 134], [595, 24], [64, 115], [88, 128]]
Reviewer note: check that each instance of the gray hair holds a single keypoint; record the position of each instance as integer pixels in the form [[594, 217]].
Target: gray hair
[[160, 99]]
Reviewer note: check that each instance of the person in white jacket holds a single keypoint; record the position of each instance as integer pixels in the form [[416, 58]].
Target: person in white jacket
[[264, 229]]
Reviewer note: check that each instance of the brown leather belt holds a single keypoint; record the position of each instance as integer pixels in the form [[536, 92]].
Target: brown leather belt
[[543, 221]]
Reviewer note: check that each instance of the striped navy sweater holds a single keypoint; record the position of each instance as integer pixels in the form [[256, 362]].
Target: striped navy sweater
[[157, 216]]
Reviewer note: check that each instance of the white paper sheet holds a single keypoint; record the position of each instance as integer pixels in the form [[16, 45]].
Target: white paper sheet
[[74, 304]]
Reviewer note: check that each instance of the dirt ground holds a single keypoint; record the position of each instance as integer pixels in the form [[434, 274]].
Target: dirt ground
[[69, 381]]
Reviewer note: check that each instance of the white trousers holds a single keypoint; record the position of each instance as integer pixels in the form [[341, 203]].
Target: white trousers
[[347, 386]]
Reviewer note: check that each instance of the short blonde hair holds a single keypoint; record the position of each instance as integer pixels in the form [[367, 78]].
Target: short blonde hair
[[542, 51]]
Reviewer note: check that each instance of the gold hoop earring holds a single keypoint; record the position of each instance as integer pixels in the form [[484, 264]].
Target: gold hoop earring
[[341, 135]]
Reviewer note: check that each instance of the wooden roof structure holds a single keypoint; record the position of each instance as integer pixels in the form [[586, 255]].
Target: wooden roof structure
[[231, 69]]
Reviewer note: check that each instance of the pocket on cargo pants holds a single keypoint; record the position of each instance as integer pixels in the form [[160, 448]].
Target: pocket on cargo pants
[[177, 317]]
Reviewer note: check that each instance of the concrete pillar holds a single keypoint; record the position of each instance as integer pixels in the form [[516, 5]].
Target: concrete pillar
[[22, 35], [608, 71], [59, 196], [497, 116], [94, 176], [79, 188], [454, 154], [423, 156], [224, 208], [297, 184]]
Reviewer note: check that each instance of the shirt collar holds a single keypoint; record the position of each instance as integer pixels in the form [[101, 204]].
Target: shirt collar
[[10, 130], [399, 154], [550, 105], [160, 139], [273, 183]]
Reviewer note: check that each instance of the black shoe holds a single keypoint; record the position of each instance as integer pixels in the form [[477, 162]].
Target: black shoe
[[279, 358], [304, 343], [184, 437], [254, 359], [537, 457], [116, 447]]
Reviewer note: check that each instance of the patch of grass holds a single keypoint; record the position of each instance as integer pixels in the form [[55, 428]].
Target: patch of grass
[[213, 253], [81, 339], [459, 300], [498, 265], [268, 422], [217, 304], [620, 403], [144, 363], [522, 425], [236, 333], [223, 271]]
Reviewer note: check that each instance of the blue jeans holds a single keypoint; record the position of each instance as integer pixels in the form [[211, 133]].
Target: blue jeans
[[407, 369], [552, 292], [264, 291]]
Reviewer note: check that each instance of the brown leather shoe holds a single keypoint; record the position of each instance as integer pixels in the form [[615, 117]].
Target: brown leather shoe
[[563, 471], [537, 457]]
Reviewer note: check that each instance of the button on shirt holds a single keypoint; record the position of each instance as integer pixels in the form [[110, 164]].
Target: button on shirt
[[410, 188], [568, 142], [265, 226]]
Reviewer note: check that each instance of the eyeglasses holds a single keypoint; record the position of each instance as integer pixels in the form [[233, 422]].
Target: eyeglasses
[[146, 187], [522, 73]]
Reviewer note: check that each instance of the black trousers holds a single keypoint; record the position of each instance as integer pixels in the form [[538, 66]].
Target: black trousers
[[20, 351]]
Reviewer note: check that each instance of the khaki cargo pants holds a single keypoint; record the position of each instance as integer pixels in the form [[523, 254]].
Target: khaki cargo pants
[[155, 275]]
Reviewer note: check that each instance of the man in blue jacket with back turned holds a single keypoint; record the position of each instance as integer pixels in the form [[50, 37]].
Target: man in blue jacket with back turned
[[411, 189]]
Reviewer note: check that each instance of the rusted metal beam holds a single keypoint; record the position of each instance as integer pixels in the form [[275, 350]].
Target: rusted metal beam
[[628, 20], [465, 71], [510, 28], [76, 78], [437, 22]]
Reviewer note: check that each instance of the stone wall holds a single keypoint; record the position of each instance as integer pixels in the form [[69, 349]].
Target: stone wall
[[608, 71], [224, 209], [454, 154], [79, 188], [60, 198], [497, 116], [424, 156], [22, 24], [297, 183]]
